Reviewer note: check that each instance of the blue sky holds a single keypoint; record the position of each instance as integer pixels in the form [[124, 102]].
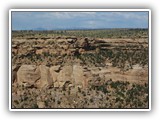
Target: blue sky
[[71, 20]]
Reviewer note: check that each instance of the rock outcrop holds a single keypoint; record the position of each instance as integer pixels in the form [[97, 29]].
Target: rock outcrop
[[79, 76], [28, 75], [31, 75], [43, 76]]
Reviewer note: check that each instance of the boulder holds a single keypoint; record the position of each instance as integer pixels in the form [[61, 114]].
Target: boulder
[[73, 74], [80, 77], [61, 75], [31, 75], [65, 74], [54, 70], [45, 77], [28, 74]]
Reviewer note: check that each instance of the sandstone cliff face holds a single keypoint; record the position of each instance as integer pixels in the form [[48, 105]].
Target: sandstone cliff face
[[79, 76], [57, 76], [71, 75], [28, 75], [31, 75], [45, 77]]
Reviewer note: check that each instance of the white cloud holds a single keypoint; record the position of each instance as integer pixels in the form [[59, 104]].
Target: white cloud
[[113, 16], [70, 15], [132, 15]]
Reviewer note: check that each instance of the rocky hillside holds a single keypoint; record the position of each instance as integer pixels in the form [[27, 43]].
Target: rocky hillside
[[51, 71]]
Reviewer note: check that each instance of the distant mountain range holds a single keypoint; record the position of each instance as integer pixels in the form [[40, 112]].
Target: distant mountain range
[[39, 29], [44, 29]]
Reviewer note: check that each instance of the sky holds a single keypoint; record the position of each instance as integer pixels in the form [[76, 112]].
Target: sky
[[28, 20]]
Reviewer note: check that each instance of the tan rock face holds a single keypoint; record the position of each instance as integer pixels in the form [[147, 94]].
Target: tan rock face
[[78, 75], [45, 79], [28, 74], [32, 75], [65, 74], [54, 72], [43, 76]]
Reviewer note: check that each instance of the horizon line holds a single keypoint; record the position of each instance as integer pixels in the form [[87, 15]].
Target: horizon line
[[43, 29]]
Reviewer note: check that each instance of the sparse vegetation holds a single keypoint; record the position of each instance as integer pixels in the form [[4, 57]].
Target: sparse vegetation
[[120, 93], [111, 69], [106, 33]]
